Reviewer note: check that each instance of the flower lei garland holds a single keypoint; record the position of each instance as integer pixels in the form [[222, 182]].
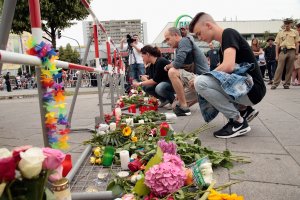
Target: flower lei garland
[[54, 97]]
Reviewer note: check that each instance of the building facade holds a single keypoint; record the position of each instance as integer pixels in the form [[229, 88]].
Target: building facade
[[116, 29]]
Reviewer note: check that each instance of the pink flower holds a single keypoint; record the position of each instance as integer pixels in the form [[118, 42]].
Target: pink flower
[[128, 197], [165, 178], [18, 150], [54, 158], [167, 147], [175, 159]]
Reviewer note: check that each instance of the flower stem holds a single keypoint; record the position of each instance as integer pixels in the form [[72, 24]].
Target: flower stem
[[206, 193], [42, 188]]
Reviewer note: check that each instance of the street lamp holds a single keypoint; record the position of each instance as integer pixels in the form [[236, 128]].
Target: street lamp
[[76, 41]]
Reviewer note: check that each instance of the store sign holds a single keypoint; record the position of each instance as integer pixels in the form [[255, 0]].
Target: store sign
[[183, 21]]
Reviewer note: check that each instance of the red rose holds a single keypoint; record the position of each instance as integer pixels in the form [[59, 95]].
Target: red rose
[[164, 128], [18, 150], [7, 169], [135, 165]]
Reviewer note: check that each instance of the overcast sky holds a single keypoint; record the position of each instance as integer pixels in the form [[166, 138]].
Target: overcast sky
[[157, 13]]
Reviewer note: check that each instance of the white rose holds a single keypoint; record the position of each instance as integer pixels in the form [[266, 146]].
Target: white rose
[[31, 162], [5, 153]]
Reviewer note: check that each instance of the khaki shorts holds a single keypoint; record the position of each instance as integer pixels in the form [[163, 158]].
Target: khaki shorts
[[190, 94]]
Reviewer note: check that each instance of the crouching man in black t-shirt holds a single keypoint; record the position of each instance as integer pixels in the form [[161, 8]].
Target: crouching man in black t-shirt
[[234, 49]]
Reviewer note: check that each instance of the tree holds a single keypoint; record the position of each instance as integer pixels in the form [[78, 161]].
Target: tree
[[55, 14], [68, 54]]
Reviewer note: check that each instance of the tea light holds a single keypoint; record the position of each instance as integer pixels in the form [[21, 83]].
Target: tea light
[[123, 174], [102, 175], [112, 126], [124, 156], [141, 121]]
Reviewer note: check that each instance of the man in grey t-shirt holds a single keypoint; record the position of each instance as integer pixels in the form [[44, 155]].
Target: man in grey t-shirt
[[187, 53]]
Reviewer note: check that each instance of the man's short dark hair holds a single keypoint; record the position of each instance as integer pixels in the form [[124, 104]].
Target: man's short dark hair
[[195, 20], [298, 25]]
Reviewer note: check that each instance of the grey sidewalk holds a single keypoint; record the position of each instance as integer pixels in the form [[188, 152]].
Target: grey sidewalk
[[273, 145]]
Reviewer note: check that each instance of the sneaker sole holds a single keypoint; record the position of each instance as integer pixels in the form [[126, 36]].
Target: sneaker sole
[[252, 115], [184, 114], [236, 134]]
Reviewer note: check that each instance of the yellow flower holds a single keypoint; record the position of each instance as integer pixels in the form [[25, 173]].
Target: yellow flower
[[92, 160], [214, 195], [134, 139], [126, 131], [97, 152], [98, 161]]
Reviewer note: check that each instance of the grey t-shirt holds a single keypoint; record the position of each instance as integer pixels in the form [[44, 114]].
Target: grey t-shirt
[[188, 52]]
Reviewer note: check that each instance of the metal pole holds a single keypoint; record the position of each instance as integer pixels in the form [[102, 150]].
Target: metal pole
[[36, 29], [100, 95], [8, 11], [78, 82]]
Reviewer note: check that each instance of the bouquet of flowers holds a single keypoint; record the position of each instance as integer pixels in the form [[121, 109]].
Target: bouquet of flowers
[[24, 172]]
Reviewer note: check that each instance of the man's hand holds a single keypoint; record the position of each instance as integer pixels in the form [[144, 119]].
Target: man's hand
[[144, 77], [191, 83], [167, 67], [135, 84]]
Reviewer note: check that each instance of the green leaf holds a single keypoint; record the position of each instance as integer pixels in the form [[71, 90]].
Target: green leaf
[[156, 159], [140, 188], [180, 194]]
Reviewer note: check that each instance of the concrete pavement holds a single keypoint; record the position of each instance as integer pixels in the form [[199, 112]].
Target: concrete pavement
[[273, 145]]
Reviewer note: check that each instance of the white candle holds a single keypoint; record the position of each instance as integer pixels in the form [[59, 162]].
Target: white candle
[[124, 156], [141, 121], [112, 126]]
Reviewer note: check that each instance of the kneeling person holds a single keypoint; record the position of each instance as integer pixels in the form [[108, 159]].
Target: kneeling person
[[235, 49], [156, 81]]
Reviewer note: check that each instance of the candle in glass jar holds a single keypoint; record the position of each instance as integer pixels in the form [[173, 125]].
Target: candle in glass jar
[[112, 126], [141, 121], [124, 156]]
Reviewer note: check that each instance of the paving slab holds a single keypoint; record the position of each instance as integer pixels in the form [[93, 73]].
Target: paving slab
[[266, 191], [255, 145], [279, 169]]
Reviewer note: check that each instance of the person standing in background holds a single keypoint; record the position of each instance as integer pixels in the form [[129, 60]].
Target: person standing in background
[[287, 48], [213, 56], [296, 71], [7, 82], [270, 56], [135, 59]]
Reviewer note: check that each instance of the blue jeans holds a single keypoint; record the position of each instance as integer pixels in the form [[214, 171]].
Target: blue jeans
[[271, 66], [163, 91], [136, 70], [210, 89]]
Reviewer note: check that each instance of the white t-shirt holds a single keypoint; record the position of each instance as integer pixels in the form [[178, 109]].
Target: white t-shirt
[[138, 56]]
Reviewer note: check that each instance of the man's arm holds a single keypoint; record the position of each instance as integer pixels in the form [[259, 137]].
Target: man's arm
[[136, 47], [228, 61]]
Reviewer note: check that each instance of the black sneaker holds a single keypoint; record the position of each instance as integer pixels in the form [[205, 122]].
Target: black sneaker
[[249, 114], [233, 129], [181, 111], [162, 104]]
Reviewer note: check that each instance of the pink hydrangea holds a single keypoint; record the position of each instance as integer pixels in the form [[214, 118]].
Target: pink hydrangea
[[175, 159], [165, 178], [167, 147]]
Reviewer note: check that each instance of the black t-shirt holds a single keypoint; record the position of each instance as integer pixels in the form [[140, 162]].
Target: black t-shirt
[[156, 71], [231, 38]]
